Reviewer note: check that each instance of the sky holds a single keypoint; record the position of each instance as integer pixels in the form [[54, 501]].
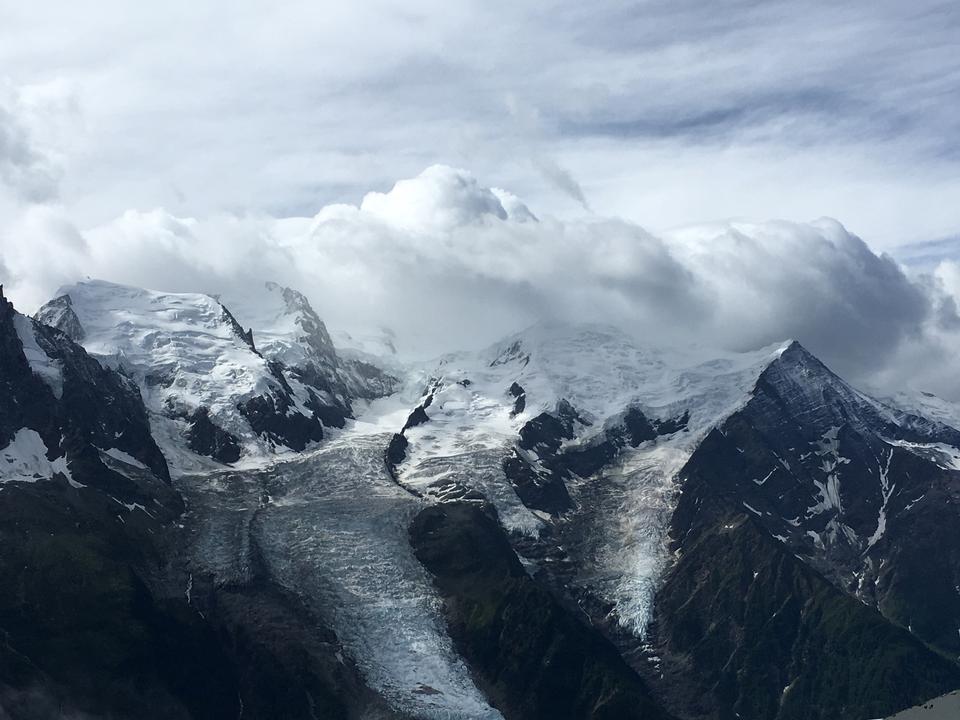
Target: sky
[[455, 170]]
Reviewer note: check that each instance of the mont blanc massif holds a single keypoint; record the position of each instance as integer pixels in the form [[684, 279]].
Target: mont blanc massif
[[212, 507]]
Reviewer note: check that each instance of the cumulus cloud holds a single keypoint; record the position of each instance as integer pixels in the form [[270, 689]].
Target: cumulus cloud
[[449, 263], [440, 198]]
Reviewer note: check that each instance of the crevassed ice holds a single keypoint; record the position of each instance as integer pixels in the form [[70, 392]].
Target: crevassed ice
[[332, 527]]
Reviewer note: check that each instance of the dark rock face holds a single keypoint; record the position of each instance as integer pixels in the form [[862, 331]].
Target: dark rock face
[[87, 631], [366, 381], [519, 399], [96, 407], [396, 453], [328, 385], [290, 664], [743, 627], [804, 514], [547, 431], [539, 480], [513, 353], [206, 438], [666, 427], [268, 416], [417, 417], [287, 673], [837, 478], [529, 655], [638, 427], [86, 626], [535, 481], [537, 488], [245, 335], [337, 380]]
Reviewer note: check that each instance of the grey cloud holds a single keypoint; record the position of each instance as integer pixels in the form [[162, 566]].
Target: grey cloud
[[801, 116], [815, 282], [804, 72], [561, 179], [23, 167]]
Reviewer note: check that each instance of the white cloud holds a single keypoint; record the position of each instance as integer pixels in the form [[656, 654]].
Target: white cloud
[[440, 259], [440, 198]]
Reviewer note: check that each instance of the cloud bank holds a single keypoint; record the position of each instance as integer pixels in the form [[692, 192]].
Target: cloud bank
[[449, 263]]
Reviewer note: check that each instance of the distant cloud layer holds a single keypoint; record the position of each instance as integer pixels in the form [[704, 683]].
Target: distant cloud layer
[[449, 263]]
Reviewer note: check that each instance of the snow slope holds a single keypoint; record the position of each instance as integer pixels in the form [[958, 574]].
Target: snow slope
[[926, 405], [24, 459], [286, 328]]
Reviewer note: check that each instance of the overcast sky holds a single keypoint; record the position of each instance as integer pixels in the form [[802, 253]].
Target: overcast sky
[[178, 143], [663, 112]]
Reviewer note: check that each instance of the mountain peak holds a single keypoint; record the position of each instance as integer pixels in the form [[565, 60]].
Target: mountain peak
[[197, 368]]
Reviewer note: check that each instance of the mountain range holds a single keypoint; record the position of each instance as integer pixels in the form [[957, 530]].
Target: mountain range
[[211, 509]]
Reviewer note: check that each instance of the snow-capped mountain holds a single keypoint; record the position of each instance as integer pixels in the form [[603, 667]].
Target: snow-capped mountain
[[288, 330], [569, 523], [85, 502], [212, 392], [539, 413], [865, 494], [609, 450], [61, 408]]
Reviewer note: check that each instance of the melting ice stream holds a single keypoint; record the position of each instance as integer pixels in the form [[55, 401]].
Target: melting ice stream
[[332, 528]]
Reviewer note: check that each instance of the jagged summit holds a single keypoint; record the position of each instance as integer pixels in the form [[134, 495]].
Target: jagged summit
[[59, 313], [819, 398], [288, 330]]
